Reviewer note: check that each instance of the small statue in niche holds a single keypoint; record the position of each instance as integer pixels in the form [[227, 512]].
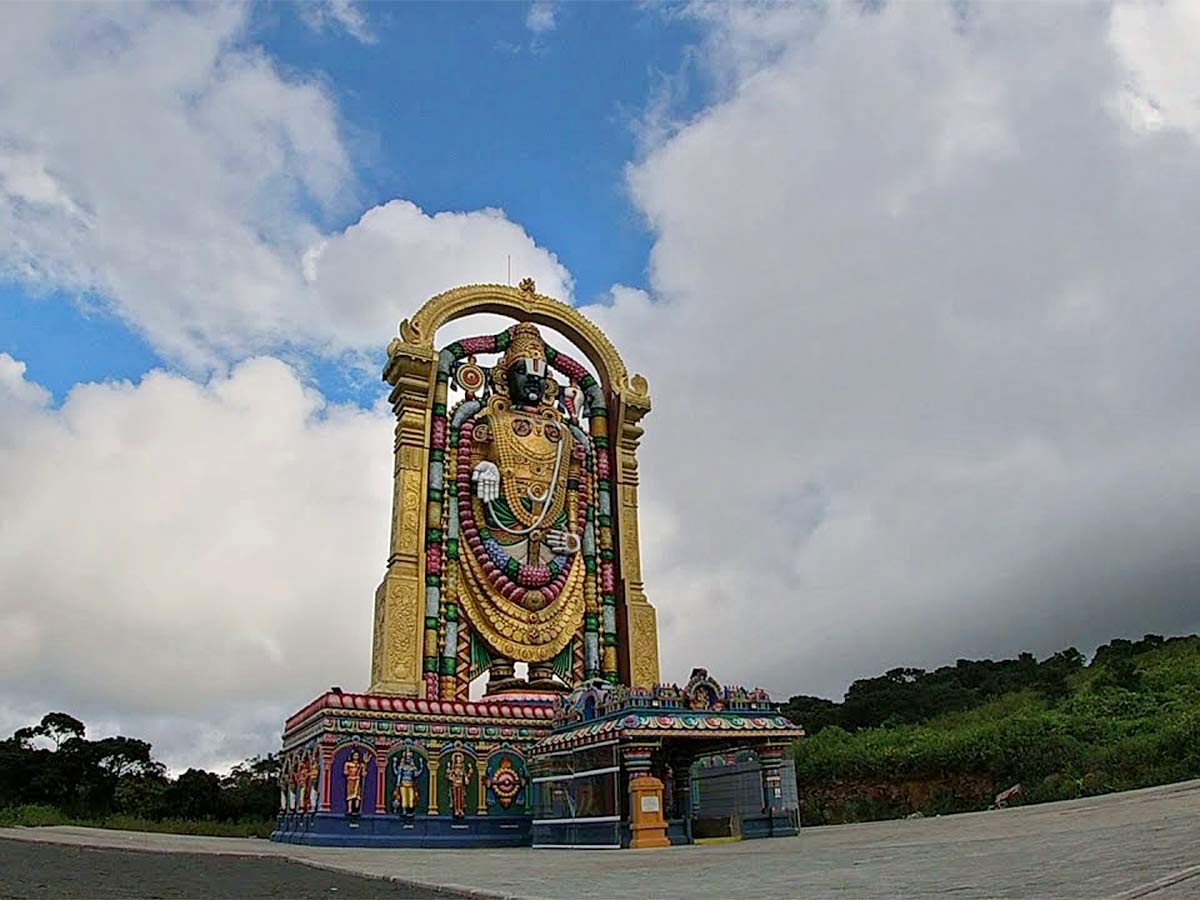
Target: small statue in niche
[[302, 785], [308, 774], [407, 768], [355, 771], [313, 785], [458, 777]]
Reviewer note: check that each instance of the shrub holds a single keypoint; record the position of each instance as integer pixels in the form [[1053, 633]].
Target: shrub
[[1130, 720], [32, 815]]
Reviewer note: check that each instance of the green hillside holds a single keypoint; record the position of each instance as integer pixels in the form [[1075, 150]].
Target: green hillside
[[949, 741]]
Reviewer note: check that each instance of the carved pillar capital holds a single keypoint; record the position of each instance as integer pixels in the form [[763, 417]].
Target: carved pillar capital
[[637, 758]]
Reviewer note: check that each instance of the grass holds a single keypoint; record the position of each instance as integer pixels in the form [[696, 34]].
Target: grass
[[35, 816]]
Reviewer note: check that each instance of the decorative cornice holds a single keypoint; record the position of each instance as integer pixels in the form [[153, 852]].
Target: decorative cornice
[[444, 710], [772, 728]]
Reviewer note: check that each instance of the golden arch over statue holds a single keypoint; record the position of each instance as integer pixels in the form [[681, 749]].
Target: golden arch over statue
[[523, 306], [564, 593]]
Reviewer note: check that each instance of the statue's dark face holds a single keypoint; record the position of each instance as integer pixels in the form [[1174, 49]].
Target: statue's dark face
[[526, 387]]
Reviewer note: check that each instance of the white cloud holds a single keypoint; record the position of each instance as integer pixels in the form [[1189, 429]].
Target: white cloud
[[188, 562], [1158, 45], [345, 15], [15, 389], [541, 16], [154, 157], [924, 337], [385, 265]]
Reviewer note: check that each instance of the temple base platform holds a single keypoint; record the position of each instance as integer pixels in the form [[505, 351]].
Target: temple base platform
[[368, 770], [583, 770], [332, 830]]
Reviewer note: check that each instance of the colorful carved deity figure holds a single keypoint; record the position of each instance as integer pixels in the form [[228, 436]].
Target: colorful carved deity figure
[[406, 768], [506, 782], [307, 776], [703, 691], [294, 789], [314, 779], [355, 771], [527, 546], [458, 777]]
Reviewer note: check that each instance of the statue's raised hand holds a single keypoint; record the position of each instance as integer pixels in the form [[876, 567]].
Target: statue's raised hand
[[562, 541], [486, 478]]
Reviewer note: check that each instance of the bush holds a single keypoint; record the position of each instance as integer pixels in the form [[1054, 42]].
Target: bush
[[1130, 720], [32, 815]]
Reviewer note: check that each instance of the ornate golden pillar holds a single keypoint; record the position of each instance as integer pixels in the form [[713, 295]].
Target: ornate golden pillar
[[480, 775], [641, 622], [434, 762], [399, 618]]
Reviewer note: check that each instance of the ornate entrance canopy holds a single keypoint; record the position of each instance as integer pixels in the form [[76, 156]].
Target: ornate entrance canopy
[[635, 733]]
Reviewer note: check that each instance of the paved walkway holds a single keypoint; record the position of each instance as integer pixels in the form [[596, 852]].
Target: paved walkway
[[1137, 844]]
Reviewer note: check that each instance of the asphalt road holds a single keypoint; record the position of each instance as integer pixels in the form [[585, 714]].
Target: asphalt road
[[35, 870]]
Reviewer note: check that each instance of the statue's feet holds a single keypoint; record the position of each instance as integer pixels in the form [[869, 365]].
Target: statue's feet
[[541, 678], [548, 684], [505, 685]]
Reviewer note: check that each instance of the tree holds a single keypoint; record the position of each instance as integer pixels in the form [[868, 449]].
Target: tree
[[196, 794], [1120, 671], [1055, 671], [251, 789], [118, 756], [811, 713], [23, 737], [60, 727], [141, 795]]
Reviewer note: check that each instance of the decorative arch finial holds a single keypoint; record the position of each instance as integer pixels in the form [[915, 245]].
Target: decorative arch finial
[[528, 286]]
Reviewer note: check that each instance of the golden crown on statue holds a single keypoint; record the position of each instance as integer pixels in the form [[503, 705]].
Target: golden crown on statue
[[525, 343]]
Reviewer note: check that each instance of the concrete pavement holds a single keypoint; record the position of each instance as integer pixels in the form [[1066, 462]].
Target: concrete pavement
[[1136, 844]]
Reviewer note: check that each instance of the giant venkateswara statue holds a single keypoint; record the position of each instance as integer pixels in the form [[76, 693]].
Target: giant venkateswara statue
[[514, 529]]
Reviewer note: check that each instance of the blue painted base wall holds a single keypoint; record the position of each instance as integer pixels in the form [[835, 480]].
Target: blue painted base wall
[[327, 830], [764, 826]]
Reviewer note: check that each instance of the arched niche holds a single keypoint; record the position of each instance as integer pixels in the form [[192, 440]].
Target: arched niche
[[400, 630]]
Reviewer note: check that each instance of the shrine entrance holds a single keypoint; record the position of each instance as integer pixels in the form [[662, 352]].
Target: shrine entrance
[[731, 789], [727, 793], [585, 774]]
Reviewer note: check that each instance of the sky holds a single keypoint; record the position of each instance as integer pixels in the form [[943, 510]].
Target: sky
[[912, 285]]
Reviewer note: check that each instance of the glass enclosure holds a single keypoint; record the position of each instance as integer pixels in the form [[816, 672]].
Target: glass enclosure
[[576, 798]]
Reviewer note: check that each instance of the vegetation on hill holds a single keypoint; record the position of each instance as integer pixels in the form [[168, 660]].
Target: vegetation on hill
[[51, 774], [949, 740]]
